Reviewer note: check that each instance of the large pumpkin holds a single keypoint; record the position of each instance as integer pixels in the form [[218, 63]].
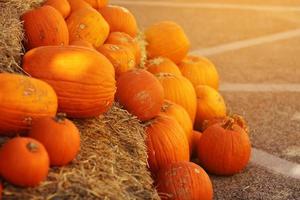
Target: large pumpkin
[[87, 24], [224, 149], [120, 56], [162, 65], [62, 6], [167, 39], [83, 79], [45, 26], [184, 181], [179, 90], [121, 38], [166, 143], [200, 71], [140, 93], [23, 100], [24, 162], [176, 111], [60, 137], [120, 19], [210, 104]]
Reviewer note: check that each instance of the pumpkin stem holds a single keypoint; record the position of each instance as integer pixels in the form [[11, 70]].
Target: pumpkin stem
[[165, 106], [239, 120], [32, 147], [228, 123], [60, 117]]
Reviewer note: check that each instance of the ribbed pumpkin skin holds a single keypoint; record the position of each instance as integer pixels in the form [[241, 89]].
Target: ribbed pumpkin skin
[[23, 100], [78, 4], [45, 26], [82, 43], [120, 56], [200, 71], [140, 93], [182, 117], [24, 162], [167, 39], [83, 79], [121, 38], [162, 65], [184, 181], [62, 6], [179, 90], [166, 143], [120, 19], [210, 104], [60, 137], [87, 24], [97, 3], [224, 151]]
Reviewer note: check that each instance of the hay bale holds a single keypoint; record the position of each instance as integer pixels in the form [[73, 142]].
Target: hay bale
[[112, 163]]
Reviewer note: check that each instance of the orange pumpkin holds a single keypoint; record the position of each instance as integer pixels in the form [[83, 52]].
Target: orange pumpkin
[[229, 143], [210, 104], [60, 137], [83, 79], [62, 6], [184, 180], [196, 136], [200, 71], [78, 4], [97, 3], [23, 100], [24, 162], [87, 24], [167, 39], [120, 56], [140, 93], [166, 143], [120, 38], [120, 19], [162, 65], [179, 113], [82, 43], [179, 90], [45, 26], [237, 119]]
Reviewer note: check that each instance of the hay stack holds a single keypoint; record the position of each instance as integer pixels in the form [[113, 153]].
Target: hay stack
[[112, 163]]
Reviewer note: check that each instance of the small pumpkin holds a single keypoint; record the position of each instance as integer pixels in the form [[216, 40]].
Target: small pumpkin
[[119, 19], [78, 4], [196, 136], [62, 6], [210, 104], [121, 57], [166, 39], [227, 142], [166, 143], [44, 26], [184, 180], [87, 24], [120, 38], [162, 65], [24, 162], [176, 111], [179, 90], [97, 3], [24, 100], [83, 78], [59, 136], [140, 93], [82, 43], [200, 71]]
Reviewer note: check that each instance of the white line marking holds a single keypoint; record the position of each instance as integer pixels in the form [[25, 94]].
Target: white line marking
[[247, 43], [296, 116], [275, 164], [208, 5], [247, 87]]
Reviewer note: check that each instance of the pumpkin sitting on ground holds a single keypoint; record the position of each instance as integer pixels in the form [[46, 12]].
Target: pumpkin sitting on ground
[[24, 162], [162, 65], [60, 137]]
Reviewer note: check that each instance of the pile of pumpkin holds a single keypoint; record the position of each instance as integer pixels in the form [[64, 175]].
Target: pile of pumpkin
[[82, 55]]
